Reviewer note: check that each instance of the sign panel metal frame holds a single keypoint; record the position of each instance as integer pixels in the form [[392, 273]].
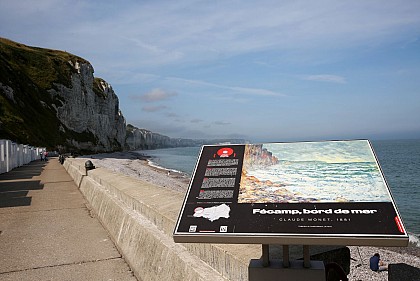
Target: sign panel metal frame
[[296, 193]]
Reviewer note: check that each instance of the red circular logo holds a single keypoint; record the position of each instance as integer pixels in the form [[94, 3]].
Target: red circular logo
[[225, 152]]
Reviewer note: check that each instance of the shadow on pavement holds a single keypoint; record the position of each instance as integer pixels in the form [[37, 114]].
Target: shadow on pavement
[[25, 172], [15, 193], [14, 201]]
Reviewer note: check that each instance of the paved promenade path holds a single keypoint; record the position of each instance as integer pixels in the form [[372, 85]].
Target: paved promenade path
[[47, 231]]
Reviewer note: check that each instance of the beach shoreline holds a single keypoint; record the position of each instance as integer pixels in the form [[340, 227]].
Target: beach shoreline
[[137, 165]]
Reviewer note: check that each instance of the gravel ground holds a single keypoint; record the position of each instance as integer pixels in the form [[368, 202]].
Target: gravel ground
[[359, 266], [136, 166]]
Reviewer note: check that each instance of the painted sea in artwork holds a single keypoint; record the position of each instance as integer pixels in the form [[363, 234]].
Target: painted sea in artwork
[[334, 171]]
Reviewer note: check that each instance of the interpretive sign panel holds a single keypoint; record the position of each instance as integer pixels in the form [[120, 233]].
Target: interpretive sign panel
[[311, 193]]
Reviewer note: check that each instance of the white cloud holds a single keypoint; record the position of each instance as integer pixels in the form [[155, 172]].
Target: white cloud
[[240, 90], [326, 78], [172, 115], [156, 95], [166, 32], [154, 108], [171, 33], [221, 123]]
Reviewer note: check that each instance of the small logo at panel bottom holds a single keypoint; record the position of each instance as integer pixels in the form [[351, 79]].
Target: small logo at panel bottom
[[193, 228]]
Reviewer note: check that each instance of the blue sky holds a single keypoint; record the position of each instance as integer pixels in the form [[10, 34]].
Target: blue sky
[[260, 70]]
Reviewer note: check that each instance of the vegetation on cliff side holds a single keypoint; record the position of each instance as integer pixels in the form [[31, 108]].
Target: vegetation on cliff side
[[27, 110]]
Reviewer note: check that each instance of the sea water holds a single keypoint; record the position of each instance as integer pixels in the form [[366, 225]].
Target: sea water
[[399, 160], [179, 159]]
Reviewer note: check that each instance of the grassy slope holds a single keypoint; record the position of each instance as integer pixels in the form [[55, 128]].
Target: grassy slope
[[31, 71]]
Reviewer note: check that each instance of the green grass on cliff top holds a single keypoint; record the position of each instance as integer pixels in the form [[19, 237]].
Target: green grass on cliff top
[[31, 71], [42, 66]]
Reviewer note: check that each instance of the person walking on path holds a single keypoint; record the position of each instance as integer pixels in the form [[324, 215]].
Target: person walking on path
[[45, 155]]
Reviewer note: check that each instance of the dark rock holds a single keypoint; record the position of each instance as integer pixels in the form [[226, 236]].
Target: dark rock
[[402, 271]]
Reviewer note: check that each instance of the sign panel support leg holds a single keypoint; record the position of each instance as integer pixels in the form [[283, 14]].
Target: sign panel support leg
[[306, 257], [286, 262], [266, 255], [274, 269]]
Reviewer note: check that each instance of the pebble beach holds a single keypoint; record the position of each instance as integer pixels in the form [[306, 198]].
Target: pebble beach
[[138, 166]]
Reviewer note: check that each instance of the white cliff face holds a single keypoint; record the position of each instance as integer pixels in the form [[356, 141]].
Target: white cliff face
[[139, 139], [145, 139], [92, 111]]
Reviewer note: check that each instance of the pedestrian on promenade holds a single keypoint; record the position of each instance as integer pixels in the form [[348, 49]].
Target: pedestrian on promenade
[[45, 155]]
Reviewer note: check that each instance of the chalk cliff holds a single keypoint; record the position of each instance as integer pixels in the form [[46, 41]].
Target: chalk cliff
[[90, 105], [140, 139], [51, 98]]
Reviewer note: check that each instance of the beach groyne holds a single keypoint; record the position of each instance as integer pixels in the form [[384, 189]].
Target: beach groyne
[[13, 155], [140, 218]]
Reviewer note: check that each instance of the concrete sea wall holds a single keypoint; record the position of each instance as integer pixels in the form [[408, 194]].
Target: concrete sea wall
[[140, 218]]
